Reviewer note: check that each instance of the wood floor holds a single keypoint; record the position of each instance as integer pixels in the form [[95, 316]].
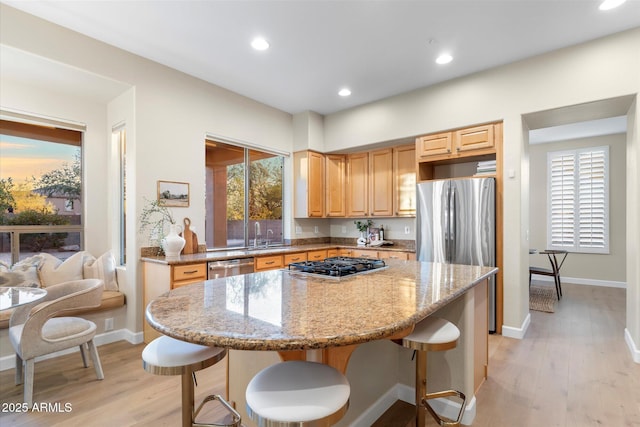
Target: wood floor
[[572, 369]]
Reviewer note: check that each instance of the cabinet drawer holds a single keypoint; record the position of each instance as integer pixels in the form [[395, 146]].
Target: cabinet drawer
[[360, 253], [189, 273], [300, 257], [316, 255], [268, 262], [393, 255], [332, 253], [345, 252]]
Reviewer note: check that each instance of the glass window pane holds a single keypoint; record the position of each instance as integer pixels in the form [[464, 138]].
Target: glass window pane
[[265, 196], [61, 245]]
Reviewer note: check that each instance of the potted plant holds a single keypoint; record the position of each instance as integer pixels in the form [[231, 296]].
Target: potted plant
[[362, 227], [154, 219]]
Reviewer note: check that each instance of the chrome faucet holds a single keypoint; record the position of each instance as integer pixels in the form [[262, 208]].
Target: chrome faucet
[[268, 231]]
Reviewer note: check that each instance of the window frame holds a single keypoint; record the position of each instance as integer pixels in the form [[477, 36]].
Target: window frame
[[572, 189]]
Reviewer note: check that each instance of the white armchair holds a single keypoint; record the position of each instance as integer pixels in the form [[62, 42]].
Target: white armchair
[[34, 331]]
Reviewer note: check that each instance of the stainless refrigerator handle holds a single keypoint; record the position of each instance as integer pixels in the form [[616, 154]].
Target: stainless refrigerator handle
[[454, 230]]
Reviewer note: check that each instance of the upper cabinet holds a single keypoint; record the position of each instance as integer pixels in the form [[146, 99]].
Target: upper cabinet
[[308, 169], [381, 182], [476, 140], [404, 171], [358, 184], [467, 145], [335, 177]]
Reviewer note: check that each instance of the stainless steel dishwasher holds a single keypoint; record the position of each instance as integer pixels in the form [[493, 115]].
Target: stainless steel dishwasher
[[229, 267]]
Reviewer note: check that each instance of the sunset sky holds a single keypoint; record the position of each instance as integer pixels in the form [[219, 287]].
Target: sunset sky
[[22, 158]]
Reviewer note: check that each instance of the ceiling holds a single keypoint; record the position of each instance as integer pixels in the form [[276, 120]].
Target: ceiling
[[376, 48]]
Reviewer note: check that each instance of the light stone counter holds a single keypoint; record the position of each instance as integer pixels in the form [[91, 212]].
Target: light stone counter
[[281, 310]]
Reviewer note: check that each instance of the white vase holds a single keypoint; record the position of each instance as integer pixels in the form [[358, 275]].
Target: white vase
[[173, 243], [362, 240]]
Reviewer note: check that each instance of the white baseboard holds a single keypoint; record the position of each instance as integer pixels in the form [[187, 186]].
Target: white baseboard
[[633, 348], [9, 362], [518, 333], [444, 407], [582, 281]]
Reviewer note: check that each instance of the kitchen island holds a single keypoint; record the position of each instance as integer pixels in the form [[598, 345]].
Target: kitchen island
[[274, 315]]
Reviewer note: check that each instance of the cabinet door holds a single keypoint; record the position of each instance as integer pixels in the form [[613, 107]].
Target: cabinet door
[[332, 253], [438, 144], [335, 185], [185, 274], [357, 185], [475, 138], [381, 182], [393, 255], [405, 180], [316, 184], [345, 252]]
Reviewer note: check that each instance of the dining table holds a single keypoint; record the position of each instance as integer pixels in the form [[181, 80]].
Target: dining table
[[14, 296], [304, 317]]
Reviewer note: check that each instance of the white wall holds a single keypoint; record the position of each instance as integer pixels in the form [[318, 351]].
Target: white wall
[[602, 69], [605, 268]]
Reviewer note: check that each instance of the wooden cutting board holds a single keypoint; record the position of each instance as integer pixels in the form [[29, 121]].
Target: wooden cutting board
[[188, 235]]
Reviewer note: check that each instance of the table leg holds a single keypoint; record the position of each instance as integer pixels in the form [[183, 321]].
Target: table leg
[[187, 398]]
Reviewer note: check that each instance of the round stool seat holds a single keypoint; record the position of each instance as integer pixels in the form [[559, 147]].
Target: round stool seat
[[297, 392], [432, 334], [169, 356]]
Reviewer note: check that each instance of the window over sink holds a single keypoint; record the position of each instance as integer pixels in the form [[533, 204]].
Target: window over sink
[[244, 199]]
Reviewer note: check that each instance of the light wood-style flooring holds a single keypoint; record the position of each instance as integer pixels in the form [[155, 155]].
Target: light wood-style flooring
[[572, 369]]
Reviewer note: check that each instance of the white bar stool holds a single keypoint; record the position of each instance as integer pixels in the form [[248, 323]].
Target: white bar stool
[[432, 334], [168, 356], [296, 394]]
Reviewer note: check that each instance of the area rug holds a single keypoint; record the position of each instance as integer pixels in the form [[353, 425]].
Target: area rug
[[542, 298]]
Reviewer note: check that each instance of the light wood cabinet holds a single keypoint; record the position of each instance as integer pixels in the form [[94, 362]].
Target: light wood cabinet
[[404, 171], [299, 257], [381, 182], [345, 252], [472, 141], [318, 255], [438, 144], [270, 262], [335, 177], [405, 256], [358, 185], [332, 253], [308, 168], [161, 278], [364, 253]]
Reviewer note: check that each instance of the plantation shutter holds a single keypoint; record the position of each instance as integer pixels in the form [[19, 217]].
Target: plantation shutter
[[592, 205], [578, 205], [562, 200]]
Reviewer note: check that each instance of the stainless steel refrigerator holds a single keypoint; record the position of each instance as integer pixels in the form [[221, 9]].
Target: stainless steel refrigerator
[[456, 223]]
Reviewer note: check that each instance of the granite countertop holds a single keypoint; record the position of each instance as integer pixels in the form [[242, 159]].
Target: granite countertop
[[273, 250], [281, 310]]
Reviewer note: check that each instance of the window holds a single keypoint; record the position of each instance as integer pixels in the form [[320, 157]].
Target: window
[[578, 206], [40, 190], [119, 139], [244, 196]]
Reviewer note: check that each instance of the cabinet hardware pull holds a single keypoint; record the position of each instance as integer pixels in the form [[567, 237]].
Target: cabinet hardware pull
[[191, 272], [269, 262]]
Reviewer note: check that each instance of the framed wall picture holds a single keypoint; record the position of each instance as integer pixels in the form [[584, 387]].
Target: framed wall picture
[[171, 193]]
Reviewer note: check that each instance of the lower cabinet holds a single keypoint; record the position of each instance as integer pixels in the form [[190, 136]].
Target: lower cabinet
[[318, 255], [161, 278], [298, 257]]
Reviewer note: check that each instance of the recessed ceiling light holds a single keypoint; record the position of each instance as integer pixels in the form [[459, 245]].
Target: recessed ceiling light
[[344, 92], [445, 58], [260, 44], [610, 4]]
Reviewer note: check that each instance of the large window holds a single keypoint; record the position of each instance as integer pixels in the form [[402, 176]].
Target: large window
[[578, 206], [244, 196], [40, 191], [119, 139]]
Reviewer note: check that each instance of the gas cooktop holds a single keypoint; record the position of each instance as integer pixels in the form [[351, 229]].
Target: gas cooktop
[[337, 267]]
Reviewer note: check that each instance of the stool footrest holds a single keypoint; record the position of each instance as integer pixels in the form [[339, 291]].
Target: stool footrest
[[447, 393], [234, 414]]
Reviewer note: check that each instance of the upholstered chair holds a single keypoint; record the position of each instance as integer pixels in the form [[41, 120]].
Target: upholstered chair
[[34, 331]]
